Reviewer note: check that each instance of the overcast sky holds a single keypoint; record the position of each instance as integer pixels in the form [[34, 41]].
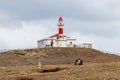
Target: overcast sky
[[23, 22]]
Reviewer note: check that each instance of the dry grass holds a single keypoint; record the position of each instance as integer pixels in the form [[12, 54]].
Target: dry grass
[[88, 71], [51, 56], [58, 64], [24, 78]]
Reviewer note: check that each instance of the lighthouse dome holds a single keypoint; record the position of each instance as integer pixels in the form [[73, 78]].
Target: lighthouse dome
[[60, 18]]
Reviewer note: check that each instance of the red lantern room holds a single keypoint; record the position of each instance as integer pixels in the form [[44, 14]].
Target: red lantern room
[[60, 18], [60, 24]]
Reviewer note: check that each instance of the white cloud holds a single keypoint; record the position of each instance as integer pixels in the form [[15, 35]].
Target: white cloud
[[31, 31], [82, 9], [24, 37], [101, 43], [23, 22], [8, 21], [98, 28]]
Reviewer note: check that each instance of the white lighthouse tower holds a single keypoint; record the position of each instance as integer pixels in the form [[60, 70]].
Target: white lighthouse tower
[[60, 24], [57, 40]]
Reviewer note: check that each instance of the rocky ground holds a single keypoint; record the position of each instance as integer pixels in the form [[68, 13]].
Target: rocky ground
[[58, 64]]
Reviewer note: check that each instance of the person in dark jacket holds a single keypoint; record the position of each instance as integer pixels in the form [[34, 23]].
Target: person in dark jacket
[[79, 62]]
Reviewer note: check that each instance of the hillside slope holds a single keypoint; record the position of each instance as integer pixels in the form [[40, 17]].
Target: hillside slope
[[50, 56]]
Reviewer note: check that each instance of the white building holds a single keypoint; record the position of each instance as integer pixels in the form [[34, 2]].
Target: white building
[[61, 40], [57, 40]]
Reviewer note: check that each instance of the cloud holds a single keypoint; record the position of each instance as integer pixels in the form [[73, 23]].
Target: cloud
[[23, 22], [81, 9], [8, 21], [31, 31], [98, 28], [99, 42], [24, 37]]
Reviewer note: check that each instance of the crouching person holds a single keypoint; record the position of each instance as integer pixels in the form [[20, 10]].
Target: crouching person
[[79, 62]]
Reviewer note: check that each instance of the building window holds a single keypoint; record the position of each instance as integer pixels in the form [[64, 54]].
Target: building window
[[60, 36], [57, 37], [70, 42], [47, 45]]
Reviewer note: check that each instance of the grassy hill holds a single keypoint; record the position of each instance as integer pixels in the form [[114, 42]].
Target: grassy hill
[[58, 64], [50, 56]]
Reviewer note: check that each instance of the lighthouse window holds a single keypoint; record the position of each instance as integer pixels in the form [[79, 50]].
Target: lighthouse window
[[57, 37], [70, 42], [60, 36]]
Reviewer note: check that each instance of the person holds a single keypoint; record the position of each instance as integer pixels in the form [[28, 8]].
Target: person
[[51, 43], [39, 65], [79, 62]]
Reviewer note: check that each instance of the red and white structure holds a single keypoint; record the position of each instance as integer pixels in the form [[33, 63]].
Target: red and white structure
[[57, 40]]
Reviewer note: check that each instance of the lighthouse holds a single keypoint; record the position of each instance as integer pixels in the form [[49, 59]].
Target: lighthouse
[[59, 39], [60, 25]]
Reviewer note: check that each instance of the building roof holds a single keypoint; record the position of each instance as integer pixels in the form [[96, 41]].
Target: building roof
[[55, 39], [56, 35], [60, 18]]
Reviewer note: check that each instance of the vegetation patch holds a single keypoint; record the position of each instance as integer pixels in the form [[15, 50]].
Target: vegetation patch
[[50, 70], [24, 78]]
